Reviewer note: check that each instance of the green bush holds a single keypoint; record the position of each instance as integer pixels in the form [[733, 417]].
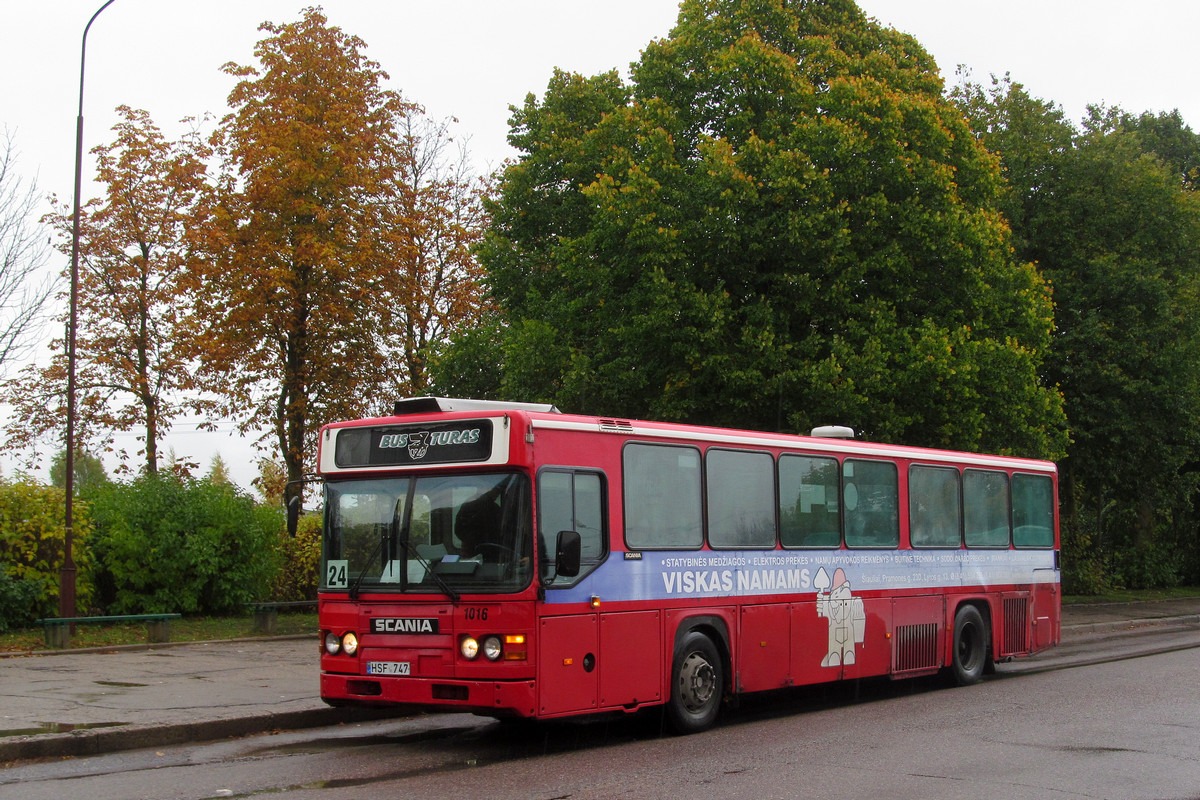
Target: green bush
[[20, 601], [1150, 566], [300, 556], [166, 544], [32, 536]]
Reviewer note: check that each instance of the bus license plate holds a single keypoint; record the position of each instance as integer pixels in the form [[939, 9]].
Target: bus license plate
[[388, 668]]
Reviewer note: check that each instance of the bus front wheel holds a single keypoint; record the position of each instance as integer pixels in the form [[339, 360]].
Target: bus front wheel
[[970, 646], [697, 684]]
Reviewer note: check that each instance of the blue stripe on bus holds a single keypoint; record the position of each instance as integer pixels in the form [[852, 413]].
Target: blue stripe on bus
[[725, 574]]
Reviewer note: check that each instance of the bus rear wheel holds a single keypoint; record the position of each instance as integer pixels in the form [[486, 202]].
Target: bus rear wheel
[[970, 646], [697, 684]]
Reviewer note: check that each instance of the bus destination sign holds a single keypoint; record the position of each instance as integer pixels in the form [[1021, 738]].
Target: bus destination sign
[[410, 445]]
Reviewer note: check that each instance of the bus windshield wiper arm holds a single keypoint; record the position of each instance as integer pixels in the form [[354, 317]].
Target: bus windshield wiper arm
[[363, 573], [401, 536]]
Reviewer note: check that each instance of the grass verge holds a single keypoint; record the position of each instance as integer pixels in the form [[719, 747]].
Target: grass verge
[[186, 629], [1138, 596]]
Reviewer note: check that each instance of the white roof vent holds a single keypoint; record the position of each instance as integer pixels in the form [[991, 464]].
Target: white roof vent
[[833, 432], [437, 405]]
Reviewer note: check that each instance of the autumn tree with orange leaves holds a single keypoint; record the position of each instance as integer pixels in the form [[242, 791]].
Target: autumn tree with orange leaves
[[132, 364], [305, 279], [336, 245]]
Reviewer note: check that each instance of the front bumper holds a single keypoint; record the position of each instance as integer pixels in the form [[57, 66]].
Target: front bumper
[[496, 698]]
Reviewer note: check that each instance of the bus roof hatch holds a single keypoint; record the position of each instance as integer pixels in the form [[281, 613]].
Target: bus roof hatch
[[435, 405]]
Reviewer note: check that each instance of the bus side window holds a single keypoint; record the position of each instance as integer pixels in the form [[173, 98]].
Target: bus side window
[[871, 493], [808, 502], [934, 507], [1033, 510], [741, 499], [571, 501], [662, 497], [986, 512]]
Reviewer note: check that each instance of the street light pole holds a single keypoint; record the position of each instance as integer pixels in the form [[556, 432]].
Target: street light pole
[[66, 584]]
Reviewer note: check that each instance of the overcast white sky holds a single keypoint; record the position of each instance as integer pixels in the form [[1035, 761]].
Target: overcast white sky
[[471, 59]]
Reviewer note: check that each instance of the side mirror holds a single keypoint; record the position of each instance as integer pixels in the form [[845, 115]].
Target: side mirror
[[568, 554]]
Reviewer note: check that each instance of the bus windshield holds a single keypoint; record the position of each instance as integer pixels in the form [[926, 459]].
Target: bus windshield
[[440, 534]]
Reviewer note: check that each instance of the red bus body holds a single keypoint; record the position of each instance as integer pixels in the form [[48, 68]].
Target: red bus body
[[613, 637]]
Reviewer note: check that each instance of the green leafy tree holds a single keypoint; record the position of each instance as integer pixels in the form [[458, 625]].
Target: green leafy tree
[[779, 222], [1111, 225], [89, 473], [1171, 140]]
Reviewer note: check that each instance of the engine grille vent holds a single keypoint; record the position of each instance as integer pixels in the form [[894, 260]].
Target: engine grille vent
[[1016, 625], [915, 647]]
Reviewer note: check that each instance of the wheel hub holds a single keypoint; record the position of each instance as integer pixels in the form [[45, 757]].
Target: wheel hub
[[697, 682]]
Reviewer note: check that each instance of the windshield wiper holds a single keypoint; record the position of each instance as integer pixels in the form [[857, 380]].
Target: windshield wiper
[[362, 574], [401, 535]]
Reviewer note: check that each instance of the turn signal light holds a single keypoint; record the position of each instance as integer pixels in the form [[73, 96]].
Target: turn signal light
[[514, 648]]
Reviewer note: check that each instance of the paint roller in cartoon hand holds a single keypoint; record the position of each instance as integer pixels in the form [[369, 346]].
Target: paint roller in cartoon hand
[[847, 620]]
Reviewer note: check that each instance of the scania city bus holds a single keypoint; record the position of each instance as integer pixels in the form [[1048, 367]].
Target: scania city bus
[[510, 560]]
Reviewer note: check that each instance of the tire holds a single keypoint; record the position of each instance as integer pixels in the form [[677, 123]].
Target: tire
[[697, 684], [970, 646]]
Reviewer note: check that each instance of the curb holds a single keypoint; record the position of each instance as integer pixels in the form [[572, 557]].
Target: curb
[[100, 742], [1129, 625]]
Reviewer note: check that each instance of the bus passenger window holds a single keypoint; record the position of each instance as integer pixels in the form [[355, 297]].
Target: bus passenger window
[[985, 508], [934, 507], [871, 494], [741, 499], [808, 502], [1033, 511], [662, 497], [571, 501]]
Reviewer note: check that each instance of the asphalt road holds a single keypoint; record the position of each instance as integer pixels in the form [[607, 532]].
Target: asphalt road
[[1114, 716]]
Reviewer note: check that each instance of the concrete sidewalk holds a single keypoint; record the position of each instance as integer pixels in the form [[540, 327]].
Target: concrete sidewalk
[[74, 703]]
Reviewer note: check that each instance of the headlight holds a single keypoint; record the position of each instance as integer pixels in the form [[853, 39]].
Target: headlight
[[492, 648], [469, 648], [350, 643], [332, 643]]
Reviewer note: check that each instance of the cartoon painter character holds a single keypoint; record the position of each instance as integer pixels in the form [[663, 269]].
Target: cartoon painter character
[[847, 619]]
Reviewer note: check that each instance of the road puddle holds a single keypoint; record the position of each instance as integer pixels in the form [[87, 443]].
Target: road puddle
[[120, 684], [59, 727]]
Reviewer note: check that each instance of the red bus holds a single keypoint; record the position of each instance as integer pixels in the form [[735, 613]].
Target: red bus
[[510, 560]]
